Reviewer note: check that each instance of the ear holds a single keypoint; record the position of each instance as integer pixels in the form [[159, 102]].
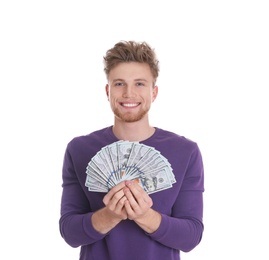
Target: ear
[[154, 93], [107, 91]]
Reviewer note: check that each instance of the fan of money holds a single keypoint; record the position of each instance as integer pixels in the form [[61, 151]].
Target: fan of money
[[125, 160]]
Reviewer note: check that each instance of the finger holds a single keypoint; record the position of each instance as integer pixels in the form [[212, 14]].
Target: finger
[[132, 207], [117, 210], [112, 192], [138, 192], [120, 205], [129, 210], [131, 199], [114, 200]]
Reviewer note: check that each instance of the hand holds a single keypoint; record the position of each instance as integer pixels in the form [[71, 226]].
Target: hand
[[137, 202], [113, 213], [114, 201]]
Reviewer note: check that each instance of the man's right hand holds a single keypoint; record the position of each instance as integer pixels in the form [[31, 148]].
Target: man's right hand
[[113, 213]]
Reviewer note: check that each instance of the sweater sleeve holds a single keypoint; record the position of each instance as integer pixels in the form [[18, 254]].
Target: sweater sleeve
[[75, 221], [184, 228]]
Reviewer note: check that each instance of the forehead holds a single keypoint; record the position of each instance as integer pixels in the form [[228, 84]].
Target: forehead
[[131, 70]]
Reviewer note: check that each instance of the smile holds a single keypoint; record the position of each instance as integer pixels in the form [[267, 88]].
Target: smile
[[130, 104]]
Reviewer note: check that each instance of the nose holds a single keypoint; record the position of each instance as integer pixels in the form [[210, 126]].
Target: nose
[[128, 91]]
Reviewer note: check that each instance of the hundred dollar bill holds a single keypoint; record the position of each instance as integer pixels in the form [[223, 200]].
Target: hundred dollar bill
[[125, 160]]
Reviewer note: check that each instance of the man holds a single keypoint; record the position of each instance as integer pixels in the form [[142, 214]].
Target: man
[[127, 222]]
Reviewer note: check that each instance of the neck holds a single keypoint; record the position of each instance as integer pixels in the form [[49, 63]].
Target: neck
[[136, 131]]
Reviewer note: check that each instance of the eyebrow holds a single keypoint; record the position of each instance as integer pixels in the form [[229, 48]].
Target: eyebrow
[[117, 80], [140, 80], [124, 80]]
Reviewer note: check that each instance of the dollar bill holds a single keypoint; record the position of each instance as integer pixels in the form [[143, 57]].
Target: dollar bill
[[125, 160]]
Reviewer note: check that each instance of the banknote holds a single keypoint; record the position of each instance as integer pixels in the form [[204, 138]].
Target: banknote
[[126, 160]]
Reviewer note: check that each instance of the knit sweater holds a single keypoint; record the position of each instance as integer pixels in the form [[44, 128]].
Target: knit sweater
[[181, 207]]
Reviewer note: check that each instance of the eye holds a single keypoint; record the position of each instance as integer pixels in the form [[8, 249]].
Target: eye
[[119, 84], [140, 84]]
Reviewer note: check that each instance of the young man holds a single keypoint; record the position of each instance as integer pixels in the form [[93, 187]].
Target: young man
[[127, 221]]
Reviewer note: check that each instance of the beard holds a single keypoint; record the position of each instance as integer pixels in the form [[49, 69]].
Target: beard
[[130, 117]]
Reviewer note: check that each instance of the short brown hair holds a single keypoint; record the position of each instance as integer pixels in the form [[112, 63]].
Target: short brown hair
[[131, 51]]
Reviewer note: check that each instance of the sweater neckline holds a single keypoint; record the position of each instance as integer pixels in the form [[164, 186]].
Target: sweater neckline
[[110, 132]]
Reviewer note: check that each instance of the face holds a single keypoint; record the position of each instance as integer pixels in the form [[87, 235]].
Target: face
[[131, 91], [149, 183]]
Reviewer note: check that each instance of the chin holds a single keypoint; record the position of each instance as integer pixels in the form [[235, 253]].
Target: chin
[[129, 117], [131, 120]]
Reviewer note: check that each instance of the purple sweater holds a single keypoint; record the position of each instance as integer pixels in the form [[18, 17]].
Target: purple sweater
[[181, 206]]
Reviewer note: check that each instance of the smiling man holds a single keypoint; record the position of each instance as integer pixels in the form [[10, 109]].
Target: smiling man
[[130, 221], [131, 90]]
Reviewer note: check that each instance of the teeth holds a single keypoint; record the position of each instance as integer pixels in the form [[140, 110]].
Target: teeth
[[129, 104]]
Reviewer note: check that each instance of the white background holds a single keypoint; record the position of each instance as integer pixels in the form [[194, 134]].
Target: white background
[[213, 88]]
